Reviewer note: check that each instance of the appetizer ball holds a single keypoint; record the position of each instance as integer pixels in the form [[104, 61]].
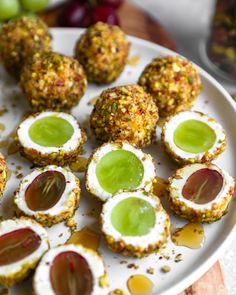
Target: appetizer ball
[[192, 137], [49, 195], [3, 173], [53, 81], [50, 138], [71, 269], [22, 242], [173, 82], [117, 167], [200, 192], [134, 223], [125, 113], [103, 51], [20, 39]]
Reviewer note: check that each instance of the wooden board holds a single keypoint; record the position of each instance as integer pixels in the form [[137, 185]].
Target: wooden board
[[135, 22]]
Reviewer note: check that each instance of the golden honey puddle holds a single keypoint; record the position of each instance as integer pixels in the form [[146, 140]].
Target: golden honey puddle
[[140, 285], [134, 60], [2, 127], [93, 101], [13, 134], [191, 236], [79, 165], [8, 174], [159, 187], [3, 143], [85, 237], [13, 148]]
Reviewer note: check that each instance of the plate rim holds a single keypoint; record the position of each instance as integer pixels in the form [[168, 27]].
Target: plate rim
[[204, 267]]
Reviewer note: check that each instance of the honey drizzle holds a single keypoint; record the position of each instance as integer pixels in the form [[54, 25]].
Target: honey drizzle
[[79, 165], [191, 235], [134, 60], [85, 237], [13, 148], [159, 188], [140, 285]]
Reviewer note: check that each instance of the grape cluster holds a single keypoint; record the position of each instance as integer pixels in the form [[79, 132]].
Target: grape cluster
[[83, 13], [13, 8]]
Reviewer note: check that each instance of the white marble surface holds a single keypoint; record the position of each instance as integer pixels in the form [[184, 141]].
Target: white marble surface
[[188, 22]]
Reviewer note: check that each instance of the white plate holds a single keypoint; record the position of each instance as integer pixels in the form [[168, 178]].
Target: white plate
[[213, 100]]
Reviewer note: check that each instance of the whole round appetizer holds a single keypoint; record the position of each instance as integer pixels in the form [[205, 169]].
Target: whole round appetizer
[[173, 82], [134, 223], [116, 167], [125, 113], [3, 173], [200, 192], [191, 137], [71, 269], [53, 81], [103, 51], [50, 138], [22, 242], [20, 38], [49, 195]]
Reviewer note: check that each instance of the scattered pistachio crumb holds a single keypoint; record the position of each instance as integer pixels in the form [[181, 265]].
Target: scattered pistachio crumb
[[117, 292], [165, 268], [133, 266], [178, 257], [150, 270]]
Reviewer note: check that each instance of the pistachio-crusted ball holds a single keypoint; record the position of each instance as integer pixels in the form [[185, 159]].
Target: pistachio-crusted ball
[[53, 81], [103, 51], [125, 113], [173, 82], [20, 39]]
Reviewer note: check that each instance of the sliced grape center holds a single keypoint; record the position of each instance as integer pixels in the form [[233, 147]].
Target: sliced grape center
[[51, 131], [133, 217], [119, 170], [203, 186], [70, 274], [194, 136], [17, 245], [45, 190]]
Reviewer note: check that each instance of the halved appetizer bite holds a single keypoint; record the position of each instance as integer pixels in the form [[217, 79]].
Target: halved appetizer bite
[[69, 270], [50, 138], [49, 195], [117, 167], [3, 173], [134, 223], [22, 243], [200, 192], [193, 137]]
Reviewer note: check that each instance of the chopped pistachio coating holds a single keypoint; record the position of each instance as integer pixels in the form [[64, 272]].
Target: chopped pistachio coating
[[52, 81], [20, 39], [3, 173], [125, 113], [103, 51], [173, 82]]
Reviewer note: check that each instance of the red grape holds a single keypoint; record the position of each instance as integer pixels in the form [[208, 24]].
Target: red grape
[[75, 15], [113, 3], [106, 14]]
